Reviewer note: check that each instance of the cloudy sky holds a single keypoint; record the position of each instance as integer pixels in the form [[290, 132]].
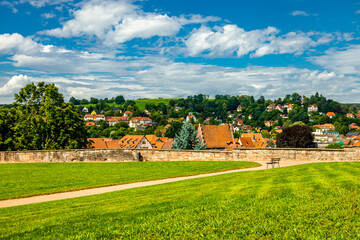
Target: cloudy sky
[[163, 48]]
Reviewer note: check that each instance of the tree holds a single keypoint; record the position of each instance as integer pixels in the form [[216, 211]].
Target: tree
[[42, 120], [119, 99], [173, 129], [186, 139], [297, 136]]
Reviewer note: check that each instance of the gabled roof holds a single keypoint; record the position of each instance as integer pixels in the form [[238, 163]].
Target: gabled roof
[[246, 142], [330, 114], [113, 144], [97, 143], [130, 141], [216, 136]]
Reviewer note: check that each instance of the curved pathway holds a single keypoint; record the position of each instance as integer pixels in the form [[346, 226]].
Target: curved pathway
[[100, 190]]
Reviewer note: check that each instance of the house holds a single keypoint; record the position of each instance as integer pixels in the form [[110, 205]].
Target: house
[[326, 127], [255, 137], [322, 141], [358, 115], [231, 115], [146, 112], [90, 124], [190, 118], [160, 142], [284, 115], [270, 107], [94, 117], [178, 109], [279, 107], [239, 108], [290, 107], [138, 121], [330, 114], [135, 141], [353, 126], [239, 122], [246, 142], [216, 136], [351, 135], [85, 110], [313, 108], [114, 120], [207, 120], [350, 115], [127, 113], [103, 143], [269, 123]]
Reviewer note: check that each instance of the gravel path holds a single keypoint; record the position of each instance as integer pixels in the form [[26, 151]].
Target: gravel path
[[100, 190]]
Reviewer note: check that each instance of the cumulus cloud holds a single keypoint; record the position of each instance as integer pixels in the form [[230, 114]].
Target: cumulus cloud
[[10, 43], [345, 61], [13, 85], [230, 39], [118, 21]]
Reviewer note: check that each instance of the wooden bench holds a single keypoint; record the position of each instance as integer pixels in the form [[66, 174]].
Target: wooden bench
[[273, 162]]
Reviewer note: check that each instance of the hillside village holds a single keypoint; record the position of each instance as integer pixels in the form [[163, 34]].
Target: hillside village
[[231, 121]]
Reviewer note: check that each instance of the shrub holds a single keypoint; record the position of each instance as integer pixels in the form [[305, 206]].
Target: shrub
[[298, 136], [334, 146]]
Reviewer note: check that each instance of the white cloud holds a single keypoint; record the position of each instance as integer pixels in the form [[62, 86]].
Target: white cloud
[[118, 21], [299, 13], [10, 43], [346, 61], [143, 27], [13, 85], [357, 12], [94, 18], [48, 15], [229, 40], [42, 3]]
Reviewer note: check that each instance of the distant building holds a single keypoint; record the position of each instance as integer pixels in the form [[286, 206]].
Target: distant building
[[313, 108], [127, 113], [85, 110], [138, 121], [269, 123], [350, 115], [94, 117]]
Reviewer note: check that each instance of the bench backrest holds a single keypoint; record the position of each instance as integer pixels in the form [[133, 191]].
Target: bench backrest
[[275, 160]]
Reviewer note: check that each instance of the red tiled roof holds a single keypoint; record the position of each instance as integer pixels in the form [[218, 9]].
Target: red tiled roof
[[246, 142], [216, 136], [97, 143]]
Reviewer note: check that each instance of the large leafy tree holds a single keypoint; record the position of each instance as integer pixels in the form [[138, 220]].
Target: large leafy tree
[[186, 139], [42, 120], [297, 136]]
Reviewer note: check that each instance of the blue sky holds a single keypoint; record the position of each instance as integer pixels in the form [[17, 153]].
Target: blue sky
[[162, 48]]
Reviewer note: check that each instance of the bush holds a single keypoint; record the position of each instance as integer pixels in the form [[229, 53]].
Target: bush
[[334, 146], [298, 136]]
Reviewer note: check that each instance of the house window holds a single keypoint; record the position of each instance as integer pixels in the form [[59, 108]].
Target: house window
[[143, 142]]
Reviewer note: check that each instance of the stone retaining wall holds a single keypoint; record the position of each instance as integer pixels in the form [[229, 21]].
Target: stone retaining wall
[[237, 154]]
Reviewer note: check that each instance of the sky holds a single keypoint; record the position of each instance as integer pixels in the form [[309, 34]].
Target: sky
[[177, 48]]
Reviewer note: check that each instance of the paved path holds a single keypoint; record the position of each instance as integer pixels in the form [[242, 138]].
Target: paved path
[[100, 190]]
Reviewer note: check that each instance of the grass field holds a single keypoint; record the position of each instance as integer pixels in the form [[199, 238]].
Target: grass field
[[140, 102], [312, 201], [19, 180]]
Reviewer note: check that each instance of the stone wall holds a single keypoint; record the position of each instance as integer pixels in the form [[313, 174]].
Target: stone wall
[[237, 154]]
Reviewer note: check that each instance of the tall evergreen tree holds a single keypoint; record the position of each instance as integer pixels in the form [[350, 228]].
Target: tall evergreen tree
[[186, 139]]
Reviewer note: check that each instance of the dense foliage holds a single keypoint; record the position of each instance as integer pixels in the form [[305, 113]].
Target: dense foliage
[[298, 136], [40, 119], [186, 139], [334, 146]]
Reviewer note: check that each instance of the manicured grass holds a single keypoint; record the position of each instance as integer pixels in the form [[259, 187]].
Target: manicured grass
[[312, 201], [26, 179]]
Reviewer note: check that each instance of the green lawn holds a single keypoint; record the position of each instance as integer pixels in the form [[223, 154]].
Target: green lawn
[[26, 179], [142, 102], [312, 201]]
